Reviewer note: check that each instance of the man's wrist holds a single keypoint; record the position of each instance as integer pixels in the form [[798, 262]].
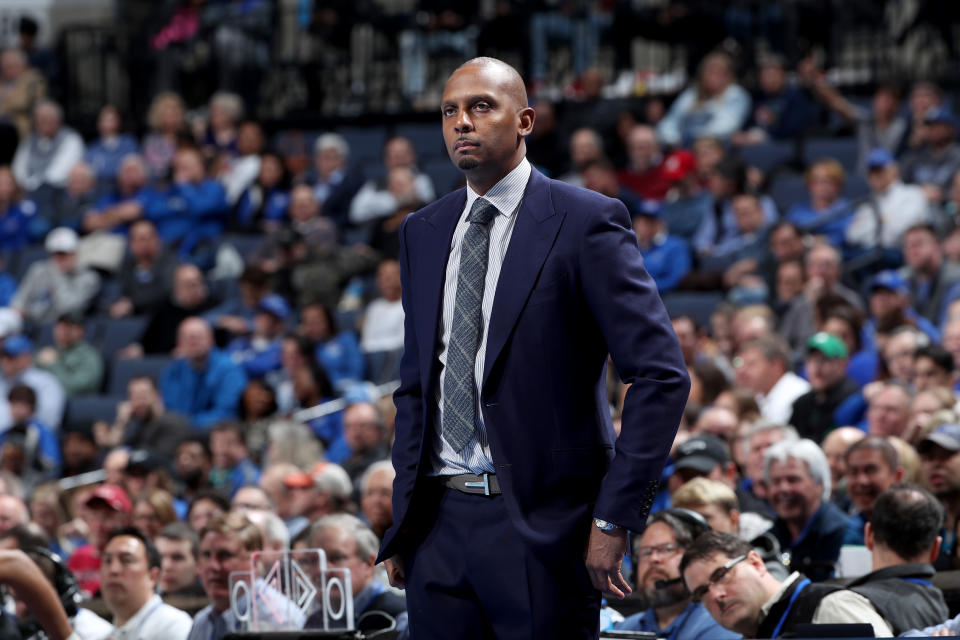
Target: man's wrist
[[605, 526]]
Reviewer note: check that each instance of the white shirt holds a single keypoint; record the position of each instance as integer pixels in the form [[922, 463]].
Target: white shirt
[[382, 326], [506, 196], [777, 405], [89, 626], [901, 206], [154, 621]]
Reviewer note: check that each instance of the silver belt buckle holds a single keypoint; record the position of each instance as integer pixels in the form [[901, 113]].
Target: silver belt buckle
[[485, 485]]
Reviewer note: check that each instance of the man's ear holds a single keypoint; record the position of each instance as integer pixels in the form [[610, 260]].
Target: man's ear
[[527, 117], [868, 538], [154, 574]]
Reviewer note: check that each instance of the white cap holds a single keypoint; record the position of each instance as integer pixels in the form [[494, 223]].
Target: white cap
[[10, 322], [61, 240]]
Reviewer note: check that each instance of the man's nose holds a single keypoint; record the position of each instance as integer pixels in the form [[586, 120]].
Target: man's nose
[[463, 122]]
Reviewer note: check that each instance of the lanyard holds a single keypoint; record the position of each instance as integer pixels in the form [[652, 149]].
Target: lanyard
[[796, 592], [925, 583], [379, 588]]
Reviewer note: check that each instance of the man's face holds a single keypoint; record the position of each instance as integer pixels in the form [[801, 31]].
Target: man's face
[[377, 500], [250, 499], [758, 444], [755, 372], [188, 167], [189, 289], [47, 121], [126, 580], [794, 494], [786, 244], [868, 475], [824, 188], [190, 458], [313, 324], [103, 519], [483, 123], [789, 281], [658, 558], [927, 374], [883, 302], [66, 334], [178, 567], [303, 204], [144, 243], [220, 555], [748, 214], [941, 471], [398, 153], [921, 251], [202, 513], [361, 428], [327, 161], [131, 177], [898, 353], [226, 449], [888, 412], [642, 147], [735, 600], [686, 336], [822, 263], [342, 553], [717, 517], [12, 512], [193, 339], [824, 372], [388, 280]]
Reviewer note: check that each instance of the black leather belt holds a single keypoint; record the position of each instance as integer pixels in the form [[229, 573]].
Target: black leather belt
[[485, 484]]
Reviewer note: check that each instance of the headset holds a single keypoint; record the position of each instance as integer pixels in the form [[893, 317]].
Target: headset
[[63, 580]]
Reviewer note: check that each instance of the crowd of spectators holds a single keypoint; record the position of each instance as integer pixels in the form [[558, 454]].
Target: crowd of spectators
[[193, 314]]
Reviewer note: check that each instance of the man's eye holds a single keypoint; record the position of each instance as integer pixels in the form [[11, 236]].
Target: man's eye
[[481, 106], [449, 111]]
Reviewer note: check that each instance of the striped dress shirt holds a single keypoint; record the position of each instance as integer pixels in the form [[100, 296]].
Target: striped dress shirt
[[506, 196]]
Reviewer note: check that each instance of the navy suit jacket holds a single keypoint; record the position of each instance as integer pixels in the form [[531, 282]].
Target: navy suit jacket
[[572, 288]]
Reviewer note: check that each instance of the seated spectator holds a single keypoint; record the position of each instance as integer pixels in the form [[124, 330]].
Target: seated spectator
[[232, 467], [263, 205], [167, 121], [718, 505], [142, 422], [815, 412], [644, 175], [45, 157], [934, 163], [17, 366], [665, 256], [726, 181], [795, 314], [716, 106], [178, 547], [260, 352], [781, 110], [80, 452], [206, 506], [153, 508], [890, 308], [202, 383], [338, 351], [335, 184], [19, 222], [888, 410], [940, 472], [324, 491], [824, 267], [21, 88], [240, 171], [348, 542], [897, 206], [902, 536], [687, 205], [383, 322], [719, 568], [365, 435], [129, 574], [189, 297], [79, 195], [375, 199], [73, 360], [834, 446], [702, 456], [28, 448], [827, 213], [808, 527], [376, 496], [932, 281], [221, 136], [128, 201], [105, 154], [586, 146], [305, 219], [763, 367], [107, 508], [251, 498], [57, 285], [600, 176], [932, 368], [872, 467], [750, 238], [234, 316], [146, 275]]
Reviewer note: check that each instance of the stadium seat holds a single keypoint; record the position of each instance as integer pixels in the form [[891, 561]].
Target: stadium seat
[[698, 305], [27, 257], [767, 155], [123, 370], [856, 187], [427, 140], [245, 243], [82, 411], [843, 150], [366, 143], [787, 190], [119, 332]]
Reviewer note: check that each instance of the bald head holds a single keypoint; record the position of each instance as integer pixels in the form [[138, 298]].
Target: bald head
[[505, 76]]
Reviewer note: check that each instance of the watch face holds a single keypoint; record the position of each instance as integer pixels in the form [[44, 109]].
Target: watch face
[[603, 525]]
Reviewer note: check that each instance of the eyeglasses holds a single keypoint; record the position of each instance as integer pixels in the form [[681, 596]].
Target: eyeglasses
[[719, 576], [662, 549]]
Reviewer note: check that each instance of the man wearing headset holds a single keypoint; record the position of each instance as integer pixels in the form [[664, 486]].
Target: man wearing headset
[[670, 613]]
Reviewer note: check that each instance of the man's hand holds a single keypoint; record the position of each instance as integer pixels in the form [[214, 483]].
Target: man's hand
[[394, 567], [604, 556]]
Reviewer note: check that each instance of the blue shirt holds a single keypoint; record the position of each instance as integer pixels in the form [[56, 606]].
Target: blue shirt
[[693, 623], [245, 474], [685, 216], [667, 261], [16, 224], [831, 223], [274, 207], [206, 396], [257, 360], [42, 446], [341, 358]]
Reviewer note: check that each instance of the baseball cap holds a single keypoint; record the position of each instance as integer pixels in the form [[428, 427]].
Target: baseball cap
[[16, 346], [879, 158], [889, 280], [649, 208], [115, 497], [828, 344], [274, 305], [701, 453], [71, 317], [946, 436], [939, 115], [678, 165], [61, 240]]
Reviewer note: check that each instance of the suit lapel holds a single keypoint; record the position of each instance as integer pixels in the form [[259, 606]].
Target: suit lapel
[[533, 236], [435, 250]]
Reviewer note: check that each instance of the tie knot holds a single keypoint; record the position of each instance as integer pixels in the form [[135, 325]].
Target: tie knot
[[482, 212]]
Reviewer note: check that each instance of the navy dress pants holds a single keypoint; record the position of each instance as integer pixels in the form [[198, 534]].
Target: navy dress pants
[[472, 576]]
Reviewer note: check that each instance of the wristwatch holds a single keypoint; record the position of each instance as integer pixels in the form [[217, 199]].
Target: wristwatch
[[603, 525]]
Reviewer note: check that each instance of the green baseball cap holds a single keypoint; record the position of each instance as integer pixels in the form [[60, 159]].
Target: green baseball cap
[[828, 344]]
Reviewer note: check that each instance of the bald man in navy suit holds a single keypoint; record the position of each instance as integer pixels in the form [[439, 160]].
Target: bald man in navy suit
[[514, 495]]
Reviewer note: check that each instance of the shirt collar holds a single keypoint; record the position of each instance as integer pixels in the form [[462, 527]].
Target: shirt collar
[[765, 609], [507, 193]]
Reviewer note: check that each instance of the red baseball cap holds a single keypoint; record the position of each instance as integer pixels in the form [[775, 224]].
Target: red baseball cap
[[678, 165], [114, 496]]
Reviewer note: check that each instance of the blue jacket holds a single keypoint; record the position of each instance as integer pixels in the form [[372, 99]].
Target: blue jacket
[[667, 261], [205, 397], [188, 213], [817, 548], [17, 225], [274, 207], [106, 160], [693, 623], [46, 454], [256, 362], [341, 358], [831, 223]]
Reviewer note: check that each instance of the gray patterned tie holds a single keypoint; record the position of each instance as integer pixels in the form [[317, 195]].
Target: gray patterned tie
[[459, 381]]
